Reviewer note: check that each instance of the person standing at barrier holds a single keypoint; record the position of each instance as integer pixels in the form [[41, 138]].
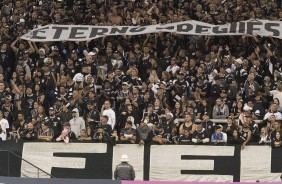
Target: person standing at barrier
[[124, 171], [276, 135], [144, 134]]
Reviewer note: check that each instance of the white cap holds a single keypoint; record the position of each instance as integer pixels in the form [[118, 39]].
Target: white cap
[[247, 108], [257, 112], [22, 20], [215, 71], [124, 158], [125, 83], [43, 50], [96, 49], [239, 60], [243, 72], [78, 77], [228, 70], [91, 54]]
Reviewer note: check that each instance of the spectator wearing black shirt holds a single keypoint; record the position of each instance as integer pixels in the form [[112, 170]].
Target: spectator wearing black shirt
[[200, 136], [102, 137], [128, 112], [104, 124], [160, 136], [128, 134], [55, 122], [92, 116], [208, 125], [235, 138], [9, 109], [186, 138], [150, 117], [29, 133], [276, 135], [230, 126], [5, 57]]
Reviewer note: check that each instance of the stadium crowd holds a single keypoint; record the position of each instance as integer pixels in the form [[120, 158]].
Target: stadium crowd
[[161, 88]]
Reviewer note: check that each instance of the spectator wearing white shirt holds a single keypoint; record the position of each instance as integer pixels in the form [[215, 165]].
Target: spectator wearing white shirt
[[273, 111], [108, 111], [277, 93], [3, 135], [173, 68], [4, 124]]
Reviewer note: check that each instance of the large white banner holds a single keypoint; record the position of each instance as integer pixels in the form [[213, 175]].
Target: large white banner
[[88, 32], [41, 155], [189, 163], [255, 165], [166, 163]]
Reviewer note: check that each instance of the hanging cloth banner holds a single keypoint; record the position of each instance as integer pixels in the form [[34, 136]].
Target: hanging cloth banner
[[87, 32]]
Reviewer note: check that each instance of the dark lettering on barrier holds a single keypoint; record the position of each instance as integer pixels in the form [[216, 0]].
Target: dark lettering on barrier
[[202, 29], [276, 161], [216, 30], [97, 166], [59, 31], [74, 34], [117, 30], [137, 29], [97, 32], [251, 28], [231, 165], [167, 28], [10, 164], [233, 27], [241, 27], [42, 30], [268, 27], [184, 28]]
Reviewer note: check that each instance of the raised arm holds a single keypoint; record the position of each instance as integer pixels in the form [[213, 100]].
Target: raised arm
[[13, 46]]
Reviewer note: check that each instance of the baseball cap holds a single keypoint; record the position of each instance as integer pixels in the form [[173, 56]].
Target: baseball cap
[[8, 97], [228, 70], [239, 60], [257, 112], [125, 83], [91, 54], [266, 78]]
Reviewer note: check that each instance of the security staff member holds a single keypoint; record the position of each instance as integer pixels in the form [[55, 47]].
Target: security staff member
[[124, 171]]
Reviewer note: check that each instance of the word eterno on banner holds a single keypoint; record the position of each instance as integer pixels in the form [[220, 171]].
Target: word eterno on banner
[[87, 32]]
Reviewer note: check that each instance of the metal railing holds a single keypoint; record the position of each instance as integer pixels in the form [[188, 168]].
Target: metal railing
[[180, 120], [22, 159]]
